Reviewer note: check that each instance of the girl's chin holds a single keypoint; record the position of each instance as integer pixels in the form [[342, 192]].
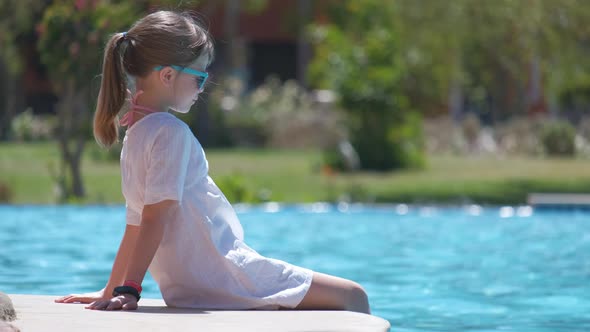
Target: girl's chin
[[181, 110]]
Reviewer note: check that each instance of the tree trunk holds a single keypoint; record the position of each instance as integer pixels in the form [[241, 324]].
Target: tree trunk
[[303, 46], [72, 114], [12, 96]]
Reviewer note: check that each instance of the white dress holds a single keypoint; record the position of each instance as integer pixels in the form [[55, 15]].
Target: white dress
[[202, 261]]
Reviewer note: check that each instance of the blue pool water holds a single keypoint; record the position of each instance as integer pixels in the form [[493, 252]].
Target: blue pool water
[[424, 268]]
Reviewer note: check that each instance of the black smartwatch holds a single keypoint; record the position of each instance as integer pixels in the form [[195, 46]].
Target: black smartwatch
[[126, 290]]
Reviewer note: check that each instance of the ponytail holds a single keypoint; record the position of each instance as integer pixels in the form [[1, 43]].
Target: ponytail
[[112, 94]]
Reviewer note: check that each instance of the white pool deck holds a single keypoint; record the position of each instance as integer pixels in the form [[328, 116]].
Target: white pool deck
[[41, 313]]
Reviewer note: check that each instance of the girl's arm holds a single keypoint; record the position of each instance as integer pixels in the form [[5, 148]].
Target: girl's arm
[[153, 219], [122, 259], [147, 238]]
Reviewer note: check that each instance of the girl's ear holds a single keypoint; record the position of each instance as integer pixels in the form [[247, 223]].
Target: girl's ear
[[167, 75]]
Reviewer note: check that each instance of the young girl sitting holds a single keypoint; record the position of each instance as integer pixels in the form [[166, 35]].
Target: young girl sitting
[[179, 225]]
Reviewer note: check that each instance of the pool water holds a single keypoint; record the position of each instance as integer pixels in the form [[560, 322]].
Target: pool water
[[424, 268]]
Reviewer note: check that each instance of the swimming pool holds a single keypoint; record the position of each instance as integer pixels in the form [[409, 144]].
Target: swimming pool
[[424, 268]]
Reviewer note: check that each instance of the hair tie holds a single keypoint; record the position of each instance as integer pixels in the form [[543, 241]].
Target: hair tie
[[124, 34]]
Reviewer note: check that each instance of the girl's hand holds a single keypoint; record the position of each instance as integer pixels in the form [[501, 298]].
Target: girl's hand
[[85, 297], [123, 301]]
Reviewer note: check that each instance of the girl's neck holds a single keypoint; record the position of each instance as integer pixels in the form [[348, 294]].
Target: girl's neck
[[138, 110], [150, 100]]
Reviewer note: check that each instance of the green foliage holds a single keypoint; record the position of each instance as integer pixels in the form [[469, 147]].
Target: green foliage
[[558, 138], [486, 49], [237, 189], [253, 6], [575, 94], [73, 33], [358, 56], [331, 157], [17, 22]]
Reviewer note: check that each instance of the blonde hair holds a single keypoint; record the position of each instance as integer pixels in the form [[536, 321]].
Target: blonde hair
[[160, 38]]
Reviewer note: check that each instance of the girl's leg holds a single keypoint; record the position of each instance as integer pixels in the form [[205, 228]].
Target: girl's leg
[[329, 292]]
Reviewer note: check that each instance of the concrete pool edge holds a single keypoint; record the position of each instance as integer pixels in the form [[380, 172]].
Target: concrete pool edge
[[38, 312]]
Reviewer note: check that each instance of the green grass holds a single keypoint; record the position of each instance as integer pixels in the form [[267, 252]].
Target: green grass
[[25, 168], [295, 176]]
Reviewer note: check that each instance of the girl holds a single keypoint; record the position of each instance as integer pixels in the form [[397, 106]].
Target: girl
[[179, 225]]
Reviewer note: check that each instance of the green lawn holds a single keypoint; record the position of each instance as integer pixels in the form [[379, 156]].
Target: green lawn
[[295, 176]]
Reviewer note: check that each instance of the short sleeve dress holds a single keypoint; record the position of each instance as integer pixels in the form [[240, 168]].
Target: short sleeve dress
[[202, 260]]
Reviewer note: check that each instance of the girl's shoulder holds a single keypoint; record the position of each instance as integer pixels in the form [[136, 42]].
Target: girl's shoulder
[[159, 123], [159, 129], [164, 119], [168, 121]]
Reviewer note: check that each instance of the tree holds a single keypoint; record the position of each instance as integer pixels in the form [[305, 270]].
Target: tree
[[515, 53], [500, 58], [357, 54], [71, 37]]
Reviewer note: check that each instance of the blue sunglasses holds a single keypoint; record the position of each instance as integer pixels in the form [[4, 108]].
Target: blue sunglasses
[[191, 71]]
